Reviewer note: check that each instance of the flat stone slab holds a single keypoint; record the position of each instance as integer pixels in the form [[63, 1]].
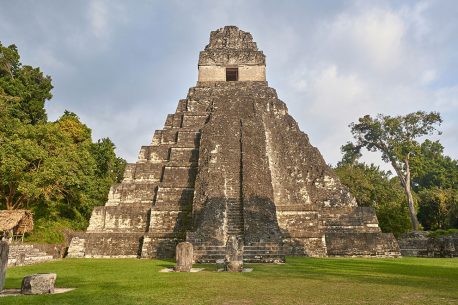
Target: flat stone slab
[[17, 292], [243, 270], [173, 270]]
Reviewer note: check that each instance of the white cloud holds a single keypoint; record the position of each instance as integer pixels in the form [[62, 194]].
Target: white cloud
[[375, 35], [98, 17], [330, 63], [368, 60]]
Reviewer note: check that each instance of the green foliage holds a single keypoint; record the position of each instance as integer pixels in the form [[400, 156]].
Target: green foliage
[[441, 233], [375, 188], [52, 168], [438, 208], [300, 280], [422, 168], [396, 138], [26, 83], [51, 231], [431, 168]]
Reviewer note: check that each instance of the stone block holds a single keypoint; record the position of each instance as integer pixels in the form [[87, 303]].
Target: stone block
[[42, 283], [421, 245], [4, 249], [362, 244], [194, 121], [76, 248], [234, 254], [179, 176], [184, 256], [188, 138]]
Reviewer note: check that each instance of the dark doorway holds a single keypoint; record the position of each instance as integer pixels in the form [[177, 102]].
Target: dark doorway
[[232, 74]]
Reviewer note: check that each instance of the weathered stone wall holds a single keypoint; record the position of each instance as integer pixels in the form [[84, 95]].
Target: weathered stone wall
[[154, 200], [252, 73], [230, 47], [421, 245], [123, 218], [218, 73], [106, 245], [362, 244], [233, 185], [212, 74], [28, 254]]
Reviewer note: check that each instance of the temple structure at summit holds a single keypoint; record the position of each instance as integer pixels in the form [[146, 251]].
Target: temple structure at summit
[[231, 165]]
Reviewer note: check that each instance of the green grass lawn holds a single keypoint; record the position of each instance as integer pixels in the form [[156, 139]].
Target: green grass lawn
[[299, 281]]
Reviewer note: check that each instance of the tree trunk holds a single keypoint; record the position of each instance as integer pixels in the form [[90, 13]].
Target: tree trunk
[[408, 190], [405, 182]]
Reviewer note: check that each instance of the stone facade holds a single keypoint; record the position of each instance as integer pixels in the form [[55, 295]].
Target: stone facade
[[28, 254], [231, 163], [421, 245]]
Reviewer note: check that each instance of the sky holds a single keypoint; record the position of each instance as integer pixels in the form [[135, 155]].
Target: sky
[[122, 66]]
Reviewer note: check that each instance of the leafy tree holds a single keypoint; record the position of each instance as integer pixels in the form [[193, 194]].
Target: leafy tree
[[435, 178], [26, 83], [375, 188], [42, 162], [431, 168], [438, 208], [52, 168], [396, 138]]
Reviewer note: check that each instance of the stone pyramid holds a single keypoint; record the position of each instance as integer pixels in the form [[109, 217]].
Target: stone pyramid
[[231, 163]]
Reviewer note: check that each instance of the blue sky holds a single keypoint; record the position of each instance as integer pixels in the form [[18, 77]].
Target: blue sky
[[122, 66]]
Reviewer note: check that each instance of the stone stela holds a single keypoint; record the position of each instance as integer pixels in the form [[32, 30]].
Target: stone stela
[[231, 166], [184, 257], [4, 249]]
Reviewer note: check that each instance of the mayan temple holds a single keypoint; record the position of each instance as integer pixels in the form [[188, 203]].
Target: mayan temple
[[231, 165]]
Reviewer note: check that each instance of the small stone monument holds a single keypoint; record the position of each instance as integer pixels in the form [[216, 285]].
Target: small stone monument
[[41, 283], [234, 254], [184, 256], [4, 249]]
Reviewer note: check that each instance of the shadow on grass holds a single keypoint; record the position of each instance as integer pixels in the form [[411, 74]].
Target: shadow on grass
[[387, 272]]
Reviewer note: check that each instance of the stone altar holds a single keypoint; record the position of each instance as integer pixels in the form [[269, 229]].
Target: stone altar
[[41, 283]]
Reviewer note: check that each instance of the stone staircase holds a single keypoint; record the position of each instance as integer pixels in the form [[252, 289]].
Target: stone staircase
[[208, 253], [24, 254], [234, 218], [254, 253], [263, 252]]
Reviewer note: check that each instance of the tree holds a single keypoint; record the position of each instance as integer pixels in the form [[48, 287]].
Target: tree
[[26, 83], [431, 168], [42, 162], [438, 208], [435, 179], [396, 138], [376, 188], [52, 168]]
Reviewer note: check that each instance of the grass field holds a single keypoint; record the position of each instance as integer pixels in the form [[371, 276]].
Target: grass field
[[299, 281]]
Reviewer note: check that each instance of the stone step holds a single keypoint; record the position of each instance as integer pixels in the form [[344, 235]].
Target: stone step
[[26, 255]]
